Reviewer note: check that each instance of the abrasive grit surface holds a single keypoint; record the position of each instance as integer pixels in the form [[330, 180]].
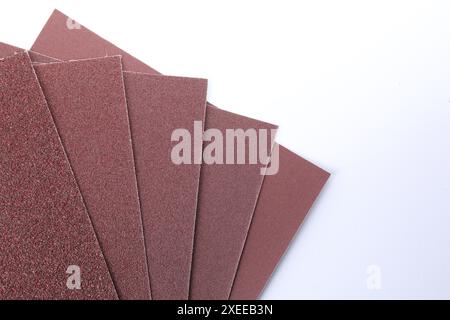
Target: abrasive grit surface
[[158, 105], [45, 230], [56, 40], [283, 204], [227, 201], [169, 209], [87, 101], [218, 187], [7, 50]]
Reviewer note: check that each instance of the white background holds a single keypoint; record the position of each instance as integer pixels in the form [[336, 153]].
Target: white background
[[361, 88]]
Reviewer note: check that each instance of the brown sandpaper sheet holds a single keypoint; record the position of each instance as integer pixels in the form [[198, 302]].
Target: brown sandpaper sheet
[[56, 40], [169, 209], [128, 263], [158, 105], [226, 203], [7, 50], [48, 245], [283, 204], [87, 101]]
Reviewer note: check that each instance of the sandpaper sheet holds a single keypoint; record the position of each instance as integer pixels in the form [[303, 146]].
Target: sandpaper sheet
[[45, 230], [169, 209], [136, 287], [81, 44], [7, 50], [87, 101], [211, 278], [284, 202], [158, 105], [227, 200]]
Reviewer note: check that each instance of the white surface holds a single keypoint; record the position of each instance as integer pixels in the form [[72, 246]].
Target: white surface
[[360, 88]]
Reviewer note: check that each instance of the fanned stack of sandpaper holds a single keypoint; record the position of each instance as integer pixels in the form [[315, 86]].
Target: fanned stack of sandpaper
[[113, 184]]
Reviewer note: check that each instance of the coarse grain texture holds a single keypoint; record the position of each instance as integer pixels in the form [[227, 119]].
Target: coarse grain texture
[[227, 193], [170, 207], [87, 101], [283, 204], [44, 226], [218, 196], [159, 105]]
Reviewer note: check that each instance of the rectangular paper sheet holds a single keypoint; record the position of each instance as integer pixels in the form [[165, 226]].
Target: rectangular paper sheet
[[87, 101], [284, 201], [158, 106]]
